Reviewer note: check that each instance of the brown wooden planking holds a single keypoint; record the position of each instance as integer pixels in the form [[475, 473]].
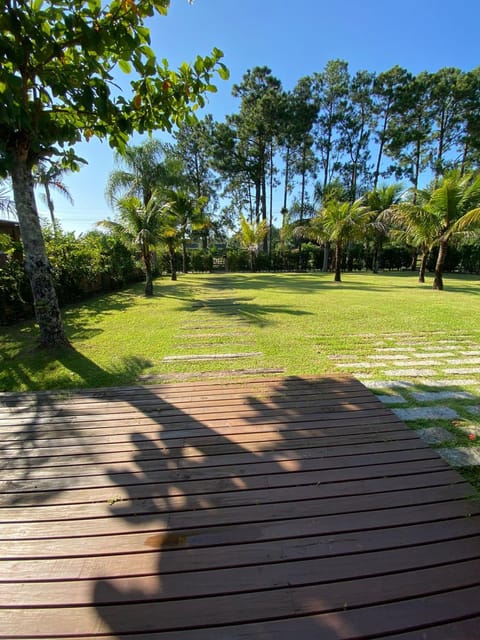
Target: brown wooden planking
[[226, 467], [181, 389], [176, 416], [217, 478], [293, 486], [121, 430], [212, 447], [165, 537], [356, 595], [116, 565], [142, 443], [149, 400], [206, 512], [251, 577], [417, 501], [261, 450]]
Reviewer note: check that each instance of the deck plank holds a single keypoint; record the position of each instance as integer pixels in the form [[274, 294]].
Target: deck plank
[[268, 508]]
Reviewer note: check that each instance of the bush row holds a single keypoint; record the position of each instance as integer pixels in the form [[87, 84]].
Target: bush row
[[93, 263]]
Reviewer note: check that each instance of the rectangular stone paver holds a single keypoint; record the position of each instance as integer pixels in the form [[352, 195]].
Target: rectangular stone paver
[[388, 384], [213, 356], [426, 413], [435, 435], [450, 382], [461, 456], [394, 349], [394, 398], [434, 354], [463, 370], [431, 396], [409, 373]]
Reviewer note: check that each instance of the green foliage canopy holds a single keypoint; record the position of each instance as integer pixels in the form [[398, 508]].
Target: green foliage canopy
[[56, 75]]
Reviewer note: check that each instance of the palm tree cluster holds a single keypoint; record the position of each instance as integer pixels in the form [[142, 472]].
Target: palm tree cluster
[[422, 218], [155, 203]]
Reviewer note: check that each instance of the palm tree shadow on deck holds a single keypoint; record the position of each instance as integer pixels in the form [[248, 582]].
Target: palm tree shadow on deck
[[202, 491], [37, 419]]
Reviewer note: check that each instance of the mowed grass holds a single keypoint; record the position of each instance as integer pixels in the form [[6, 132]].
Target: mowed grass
[[296, 322]]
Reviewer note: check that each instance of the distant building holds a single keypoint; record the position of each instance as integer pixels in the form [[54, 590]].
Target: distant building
[[10, 228]]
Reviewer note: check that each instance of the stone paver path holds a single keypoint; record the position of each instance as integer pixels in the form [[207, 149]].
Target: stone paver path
[[433, 378]]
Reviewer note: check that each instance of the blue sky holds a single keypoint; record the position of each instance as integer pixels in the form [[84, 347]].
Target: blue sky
[[294, 39]]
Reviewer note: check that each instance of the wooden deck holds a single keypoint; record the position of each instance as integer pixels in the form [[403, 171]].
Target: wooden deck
[[274, 509]]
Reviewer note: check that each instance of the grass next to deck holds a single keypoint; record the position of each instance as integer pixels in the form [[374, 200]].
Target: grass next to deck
[[273, 508]]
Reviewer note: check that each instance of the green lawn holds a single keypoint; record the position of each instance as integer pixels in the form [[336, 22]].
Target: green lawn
[[299, 322]]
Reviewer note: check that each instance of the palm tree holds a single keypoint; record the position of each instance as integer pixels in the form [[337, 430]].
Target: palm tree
[[455, 204], [185, 212], [141, 170], [378, 201], [50, 177], [342, 222], [251, 236], [141, 226], [414, 224]]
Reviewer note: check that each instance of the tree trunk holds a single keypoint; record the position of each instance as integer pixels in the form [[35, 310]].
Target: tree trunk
[[51, 208], [173, 262], [270, 211], [375, 258], [37, 266], [287, 177], [413, 263], [184, 255], [442, 253], [148, 272], [423, 267], [338, 262], [382, 137], [326, 256], [264, 205]]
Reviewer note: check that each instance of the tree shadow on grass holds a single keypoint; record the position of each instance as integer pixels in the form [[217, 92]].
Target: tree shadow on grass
[[238, 308]]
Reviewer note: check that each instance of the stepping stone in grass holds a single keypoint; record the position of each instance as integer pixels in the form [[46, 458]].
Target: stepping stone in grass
[[461, 456], [449, 382], [213, 356], [394, 349], [435, 435], [426, 413], [394, 398], [388, 384], [442, 395], [409, 373], [473, 409], [463, 370], [387, 357]]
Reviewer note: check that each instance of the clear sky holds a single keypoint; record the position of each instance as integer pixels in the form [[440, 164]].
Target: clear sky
[[295, 39]]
